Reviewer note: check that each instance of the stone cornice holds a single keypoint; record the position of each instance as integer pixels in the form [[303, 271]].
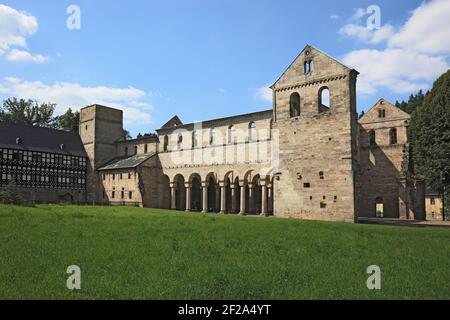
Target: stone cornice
[[310, 83]]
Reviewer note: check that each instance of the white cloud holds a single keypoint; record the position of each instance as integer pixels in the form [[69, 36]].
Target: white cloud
[[413, 56], [398, 70], [427, 30], [363, 33], [20, 55], [131, 100], [222, 90], [358, 14], [15, 27], [264, 93], [334, 17]]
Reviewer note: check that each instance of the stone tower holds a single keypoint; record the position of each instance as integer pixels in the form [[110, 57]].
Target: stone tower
[[317, 175], [100, 128], [388, 188]]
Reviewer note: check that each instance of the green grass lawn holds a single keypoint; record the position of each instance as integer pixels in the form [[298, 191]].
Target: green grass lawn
[[133, 253]]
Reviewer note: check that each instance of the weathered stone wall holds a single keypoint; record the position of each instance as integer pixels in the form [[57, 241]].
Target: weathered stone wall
[[384, 164], [100, 128], [227, 157], [141, 145], [433, 207], [318, 154]]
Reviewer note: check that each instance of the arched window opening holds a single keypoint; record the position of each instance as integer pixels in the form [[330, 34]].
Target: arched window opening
[[194, 139], [146, 148], [294, 105], [372, 140], [212, 134], [379, 207], [270, 128], [324, 99], [308, 66], [179, 140], [393, 136], [251, 130], [166, 143], [231, 134], [135, 149]]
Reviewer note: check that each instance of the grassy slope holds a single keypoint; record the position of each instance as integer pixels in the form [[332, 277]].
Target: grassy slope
[[154, 254]]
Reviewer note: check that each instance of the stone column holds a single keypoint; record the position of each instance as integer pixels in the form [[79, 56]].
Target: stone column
[[223, 196], [251, 205], [233, 197], [205, 197], [263, 198], [173, 200], [242, 209], [403, 205], [217, 208], [188, 196], [269, 198]]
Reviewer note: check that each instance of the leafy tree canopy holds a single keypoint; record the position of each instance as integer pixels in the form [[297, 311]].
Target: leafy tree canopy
[[430, 136]]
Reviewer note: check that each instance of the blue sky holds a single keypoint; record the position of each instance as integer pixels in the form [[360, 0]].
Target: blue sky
[[210, 58]]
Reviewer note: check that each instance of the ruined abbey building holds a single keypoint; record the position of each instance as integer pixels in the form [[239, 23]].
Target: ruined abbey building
[[308, 157]]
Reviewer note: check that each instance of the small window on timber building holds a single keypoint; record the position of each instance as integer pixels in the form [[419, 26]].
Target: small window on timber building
[[393, 136]]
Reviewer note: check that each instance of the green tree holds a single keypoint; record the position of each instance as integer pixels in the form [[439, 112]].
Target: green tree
[[430, 137], [28, 112], [68, 121], [414, 101], [9, 194]]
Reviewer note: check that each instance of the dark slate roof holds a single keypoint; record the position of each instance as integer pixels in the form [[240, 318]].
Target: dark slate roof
[[40, 139], [126, 162]]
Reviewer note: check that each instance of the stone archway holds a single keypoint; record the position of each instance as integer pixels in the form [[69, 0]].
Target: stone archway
[[164, 191], [196, 192], [212, 193], [179, 192], [228, 198]]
